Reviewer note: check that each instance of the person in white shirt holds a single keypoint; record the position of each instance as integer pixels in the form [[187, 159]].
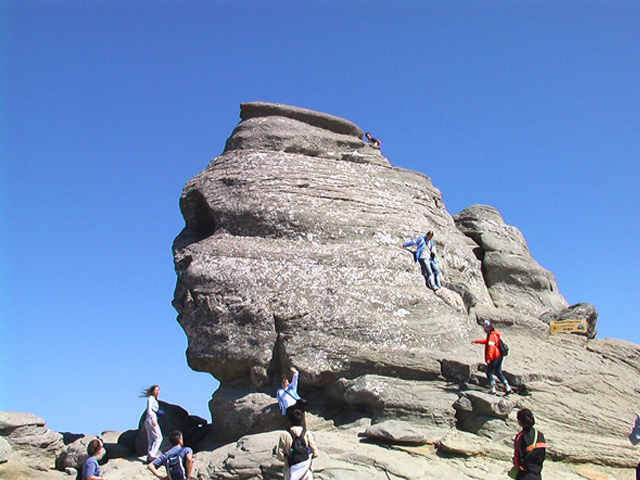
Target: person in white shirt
[[151, 424], [287, 396]]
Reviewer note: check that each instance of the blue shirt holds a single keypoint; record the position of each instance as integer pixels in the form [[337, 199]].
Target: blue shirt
[[90, 468], [177, 449]]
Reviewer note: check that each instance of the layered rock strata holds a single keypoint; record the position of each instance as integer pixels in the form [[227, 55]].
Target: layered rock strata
[[290, 256]]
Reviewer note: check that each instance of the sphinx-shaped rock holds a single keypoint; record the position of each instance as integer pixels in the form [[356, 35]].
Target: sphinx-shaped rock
[[289, 256], [514, 279]]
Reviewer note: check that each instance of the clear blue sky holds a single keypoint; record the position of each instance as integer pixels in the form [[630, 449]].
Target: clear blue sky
[[107, 108]]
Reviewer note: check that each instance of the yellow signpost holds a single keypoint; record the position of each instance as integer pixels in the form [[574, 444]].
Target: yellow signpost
[[568, 326]]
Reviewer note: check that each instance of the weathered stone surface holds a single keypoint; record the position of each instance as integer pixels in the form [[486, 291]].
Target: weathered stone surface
[[514, 279], [75, 454], [32, 443], [5, 450], [240, 411], [290, 256], [396, 431]]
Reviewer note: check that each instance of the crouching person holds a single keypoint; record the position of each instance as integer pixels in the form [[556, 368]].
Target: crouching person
[[178, 460], [296, 448]]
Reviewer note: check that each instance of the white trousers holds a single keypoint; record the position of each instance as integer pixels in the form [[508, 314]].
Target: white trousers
[[154, 437]]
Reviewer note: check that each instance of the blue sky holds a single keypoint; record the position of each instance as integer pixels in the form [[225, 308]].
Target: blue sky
[[107, 108]]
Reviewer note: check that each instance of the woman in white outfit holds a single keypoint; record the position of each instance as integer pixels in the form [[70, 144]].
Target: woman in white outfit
[[151, 425]]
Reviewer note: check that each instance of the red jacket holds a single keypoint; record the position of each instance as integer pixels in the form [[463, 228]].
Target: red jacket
[[491, 351]]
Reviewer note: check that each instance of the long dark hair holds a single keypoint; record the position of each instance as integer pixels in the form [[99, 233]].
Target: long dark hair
[[147, 392]]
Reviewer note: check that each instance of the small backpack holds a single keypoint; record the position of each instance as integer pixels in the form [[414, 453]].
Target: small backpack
[[174, 467], [299, 451], [503, 348]]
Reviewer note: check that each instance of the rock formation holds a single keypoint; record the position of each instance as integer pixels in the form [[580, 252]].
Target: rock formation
[[289, 256]]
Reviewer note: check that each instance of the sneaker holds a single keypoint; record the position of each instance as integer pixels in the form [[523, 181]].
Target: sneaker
[[508, 392], [493, 391]]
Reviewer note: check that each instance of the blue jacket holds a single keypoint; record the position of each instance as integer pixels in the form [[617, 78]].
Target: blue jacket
[[420, 242]]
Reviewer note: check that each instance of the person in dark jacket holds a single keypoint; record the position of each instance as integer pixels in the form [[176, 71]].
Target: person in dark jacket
[[529, 448]]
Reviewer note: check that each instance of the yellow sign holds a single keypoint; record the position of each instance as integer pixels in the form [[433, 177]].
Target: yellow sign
[[568, 326]]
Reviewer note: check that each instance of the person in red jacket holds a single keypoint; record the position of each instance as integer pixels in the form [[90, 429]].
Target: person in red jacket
[[493, 358]]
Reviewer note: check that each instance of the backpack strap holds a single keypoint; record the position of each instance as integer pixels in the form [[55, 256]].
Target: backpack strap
[[533, 445]]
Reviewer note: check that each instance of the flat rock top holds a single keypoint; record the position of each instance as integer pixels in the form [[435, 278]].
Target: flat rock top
[[10, 420], [317, 119]]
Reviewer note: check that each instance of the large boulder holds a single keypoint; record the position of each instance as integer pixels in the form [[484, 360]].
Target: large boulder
[[75, 454], [194, 429], [32, 443], [514, 279], [289, 256]]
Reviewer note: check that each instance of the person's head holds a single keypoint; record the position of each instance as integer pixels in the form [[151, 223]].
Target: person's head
[[176, 438], [525, 418], [152, 391], [297, 417], [94, 447], [429, 235], [487, 326], [285, 381], [368, 135]]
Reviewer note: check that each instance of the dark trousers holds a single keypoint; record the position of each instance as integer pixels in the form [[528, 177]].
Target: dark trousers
[[495, 368], [638, 472], [528, 476]]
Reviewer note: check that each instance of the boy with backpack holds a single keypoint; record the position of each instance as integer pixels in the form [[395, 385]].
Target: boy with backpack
[[178, 460], [296, 447]]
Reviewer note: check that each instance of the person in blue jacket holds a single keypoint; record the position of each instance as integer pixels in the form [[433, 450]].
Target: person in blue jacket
[[425, 254]]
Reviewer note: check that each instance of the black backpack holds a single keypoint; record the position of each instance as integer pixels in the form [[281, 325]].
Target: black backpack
[[299, 451], [174, 467], [503, 348]]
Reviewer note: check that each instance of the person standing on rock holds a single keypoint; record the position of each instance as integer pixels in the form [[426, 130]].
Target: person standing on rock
[[425, 254], [296, 448], [151, 424], [90, 468], [178, 460], [288, 397], [529, 449], [493, 357]]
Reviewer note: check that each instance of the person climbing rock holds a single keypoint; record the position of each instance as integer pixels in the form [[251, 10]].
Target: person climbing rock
[[493, 357], [373, 141], [288, 397], [425, 254], [529, 449]]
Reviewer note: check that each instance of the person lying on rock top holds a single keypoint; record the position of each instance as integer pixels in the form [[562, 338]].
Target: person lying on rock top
[[493, 358], [425, 254], [373, 141]]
